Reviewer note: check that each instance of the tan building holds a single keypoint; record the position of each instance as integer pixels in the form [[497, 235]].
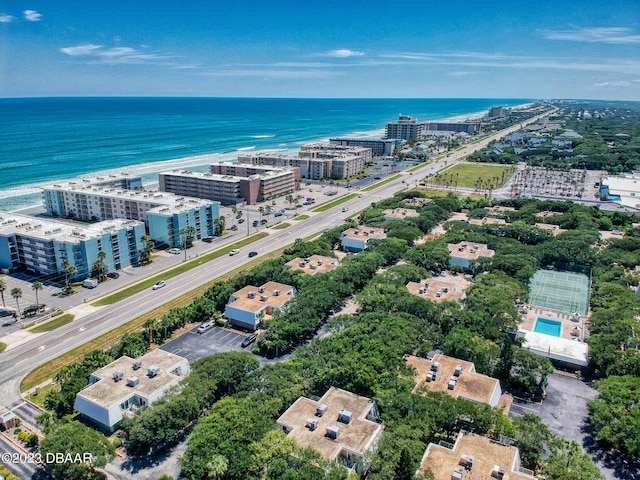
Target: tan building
[[487, 221], [356, 239], [440, 289], [464, 253], [314, 264], [473, 457], [341, 426], [399, 213], [498, 210], [250, 305], [458, 378], [230, 183], [416, 201], [550, 227]]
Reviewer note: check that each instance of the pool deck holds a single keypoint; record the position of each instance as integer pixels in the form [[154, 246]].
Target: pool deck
[[569, 347], [568, 331]]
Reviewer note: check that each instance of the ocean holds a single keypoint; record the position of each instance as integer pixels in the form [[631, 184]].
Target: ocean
[[43, 140]]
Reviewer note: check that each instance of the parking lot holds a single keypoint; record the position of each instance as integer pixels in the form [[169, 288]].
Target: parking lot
[[193, 345]]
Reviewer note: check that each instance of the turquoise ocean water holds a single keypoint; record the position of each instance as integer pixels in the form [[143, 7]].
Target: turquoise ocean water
[[43, 140]]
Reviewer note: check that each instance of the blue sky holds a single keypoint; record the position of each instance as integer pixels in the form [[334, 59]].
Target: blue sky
[[347, 48]]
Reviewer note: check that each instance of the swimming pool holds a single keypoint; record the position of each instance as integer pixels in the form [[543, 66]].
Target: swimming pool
[[548, 327]]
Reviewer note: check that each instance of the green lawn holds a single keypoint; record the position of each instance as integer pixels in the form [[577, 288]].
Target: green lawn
[[183, 267], [379, 184], [53, 324], [301, 217], [469, 174], [39, 399], [3, 346], [335, 203]]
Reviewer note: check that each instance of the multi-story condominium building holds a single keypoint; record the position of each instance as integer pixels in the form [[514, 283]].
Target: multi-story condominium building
[[41, 246], [230, 183], [379, 148], [405, 128], [467, 127], [126, 385], [318, 161], [164, 213]]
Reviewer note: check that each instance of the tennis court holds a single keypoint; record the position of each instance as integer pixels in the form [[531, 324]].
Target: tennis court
[[564, 292]]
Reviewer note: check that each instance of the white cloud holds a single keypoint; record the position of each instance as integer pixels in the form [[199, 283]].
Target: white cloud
[[79, 50], [343, 53], [618, 84], [5, 18], [32, 15], [617, 35]]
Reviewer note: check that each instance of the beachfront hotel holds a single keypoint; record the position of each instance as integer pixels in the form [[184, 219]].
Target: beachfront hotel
[[232, 183], [317, 161], [165, 214], [405, 128], [379, 148], [42, 245]]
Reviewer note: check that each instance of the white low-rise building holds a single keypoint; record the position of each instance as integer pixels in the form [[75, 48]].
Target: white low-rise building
[[127, 384]]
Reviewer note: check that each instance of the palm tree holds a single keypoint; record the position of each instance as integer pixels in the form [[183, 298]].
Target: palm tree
[[36, 286], [17, 294], [69, 271], [187, 235], [3, 287]]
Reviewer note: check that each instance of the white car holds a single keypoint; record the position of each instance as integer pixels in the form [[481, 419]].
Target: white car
[[175, 251], [233, 252], [158, 285]]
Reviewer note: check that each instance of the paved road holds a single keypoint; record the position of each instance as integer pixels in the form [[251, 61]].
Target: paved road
[[19, 465], [19, 360]]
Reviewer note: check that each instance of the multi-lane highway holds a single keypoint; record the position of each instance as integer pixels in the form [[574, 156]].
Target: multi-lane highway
[[19, 360]]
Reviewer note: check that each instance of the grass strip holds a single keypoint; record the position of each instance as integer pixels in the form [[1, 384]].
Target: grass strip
[[53, 323], [175, 271], [301, 217], [39, 399], [49, 370], [335, 203], [3, 346], [379, 184], [280, 226]]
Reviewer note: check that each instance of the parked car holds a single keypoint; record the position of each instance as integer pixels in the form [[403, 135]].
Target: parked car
[[233, 252], [207, 239], [253, 254], [241, 220], [90, 283], [256, 223], [345, 209], [306, 203], [113, 275], [248, 340], [175, 251], [159, 284], [206, 326]]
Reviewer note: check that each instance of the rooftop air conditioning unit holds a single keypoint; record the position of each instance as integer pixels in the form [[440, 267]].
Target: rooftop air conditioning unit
[[137, 364], [302, 264], [333, 432], [251, 294], [132, 381], [422, 290], [263, 297], [319, 262], [311, 424], [312, 266], [321, 410], [153, 371], [276, 292], [457, 371], [458, 474], [117, 376], [498, 472], [435, 366], [345, 416], [431, 376], [261, 289], [451, 385]]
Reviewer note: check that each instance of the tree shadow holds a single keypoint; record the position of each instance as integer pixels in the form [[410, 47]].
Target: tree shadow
[[623, 467], [156, 457]]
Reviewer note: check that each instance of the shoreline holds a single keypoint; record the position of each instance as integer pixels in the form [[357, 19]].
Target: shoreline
[[22, 198]]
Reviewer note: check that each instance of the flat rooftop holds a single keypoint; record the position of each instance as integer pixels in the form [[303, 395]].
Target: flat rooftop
[[358, 436], [51, 229], [546, 214], [499, 210], [255, 299], [107, 392], [417, 201], [470, 251], [400, 213], [470, 385], [364, 233], [487, 456], [446, 287], [487, 221], [550, 227], [313, 264]]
